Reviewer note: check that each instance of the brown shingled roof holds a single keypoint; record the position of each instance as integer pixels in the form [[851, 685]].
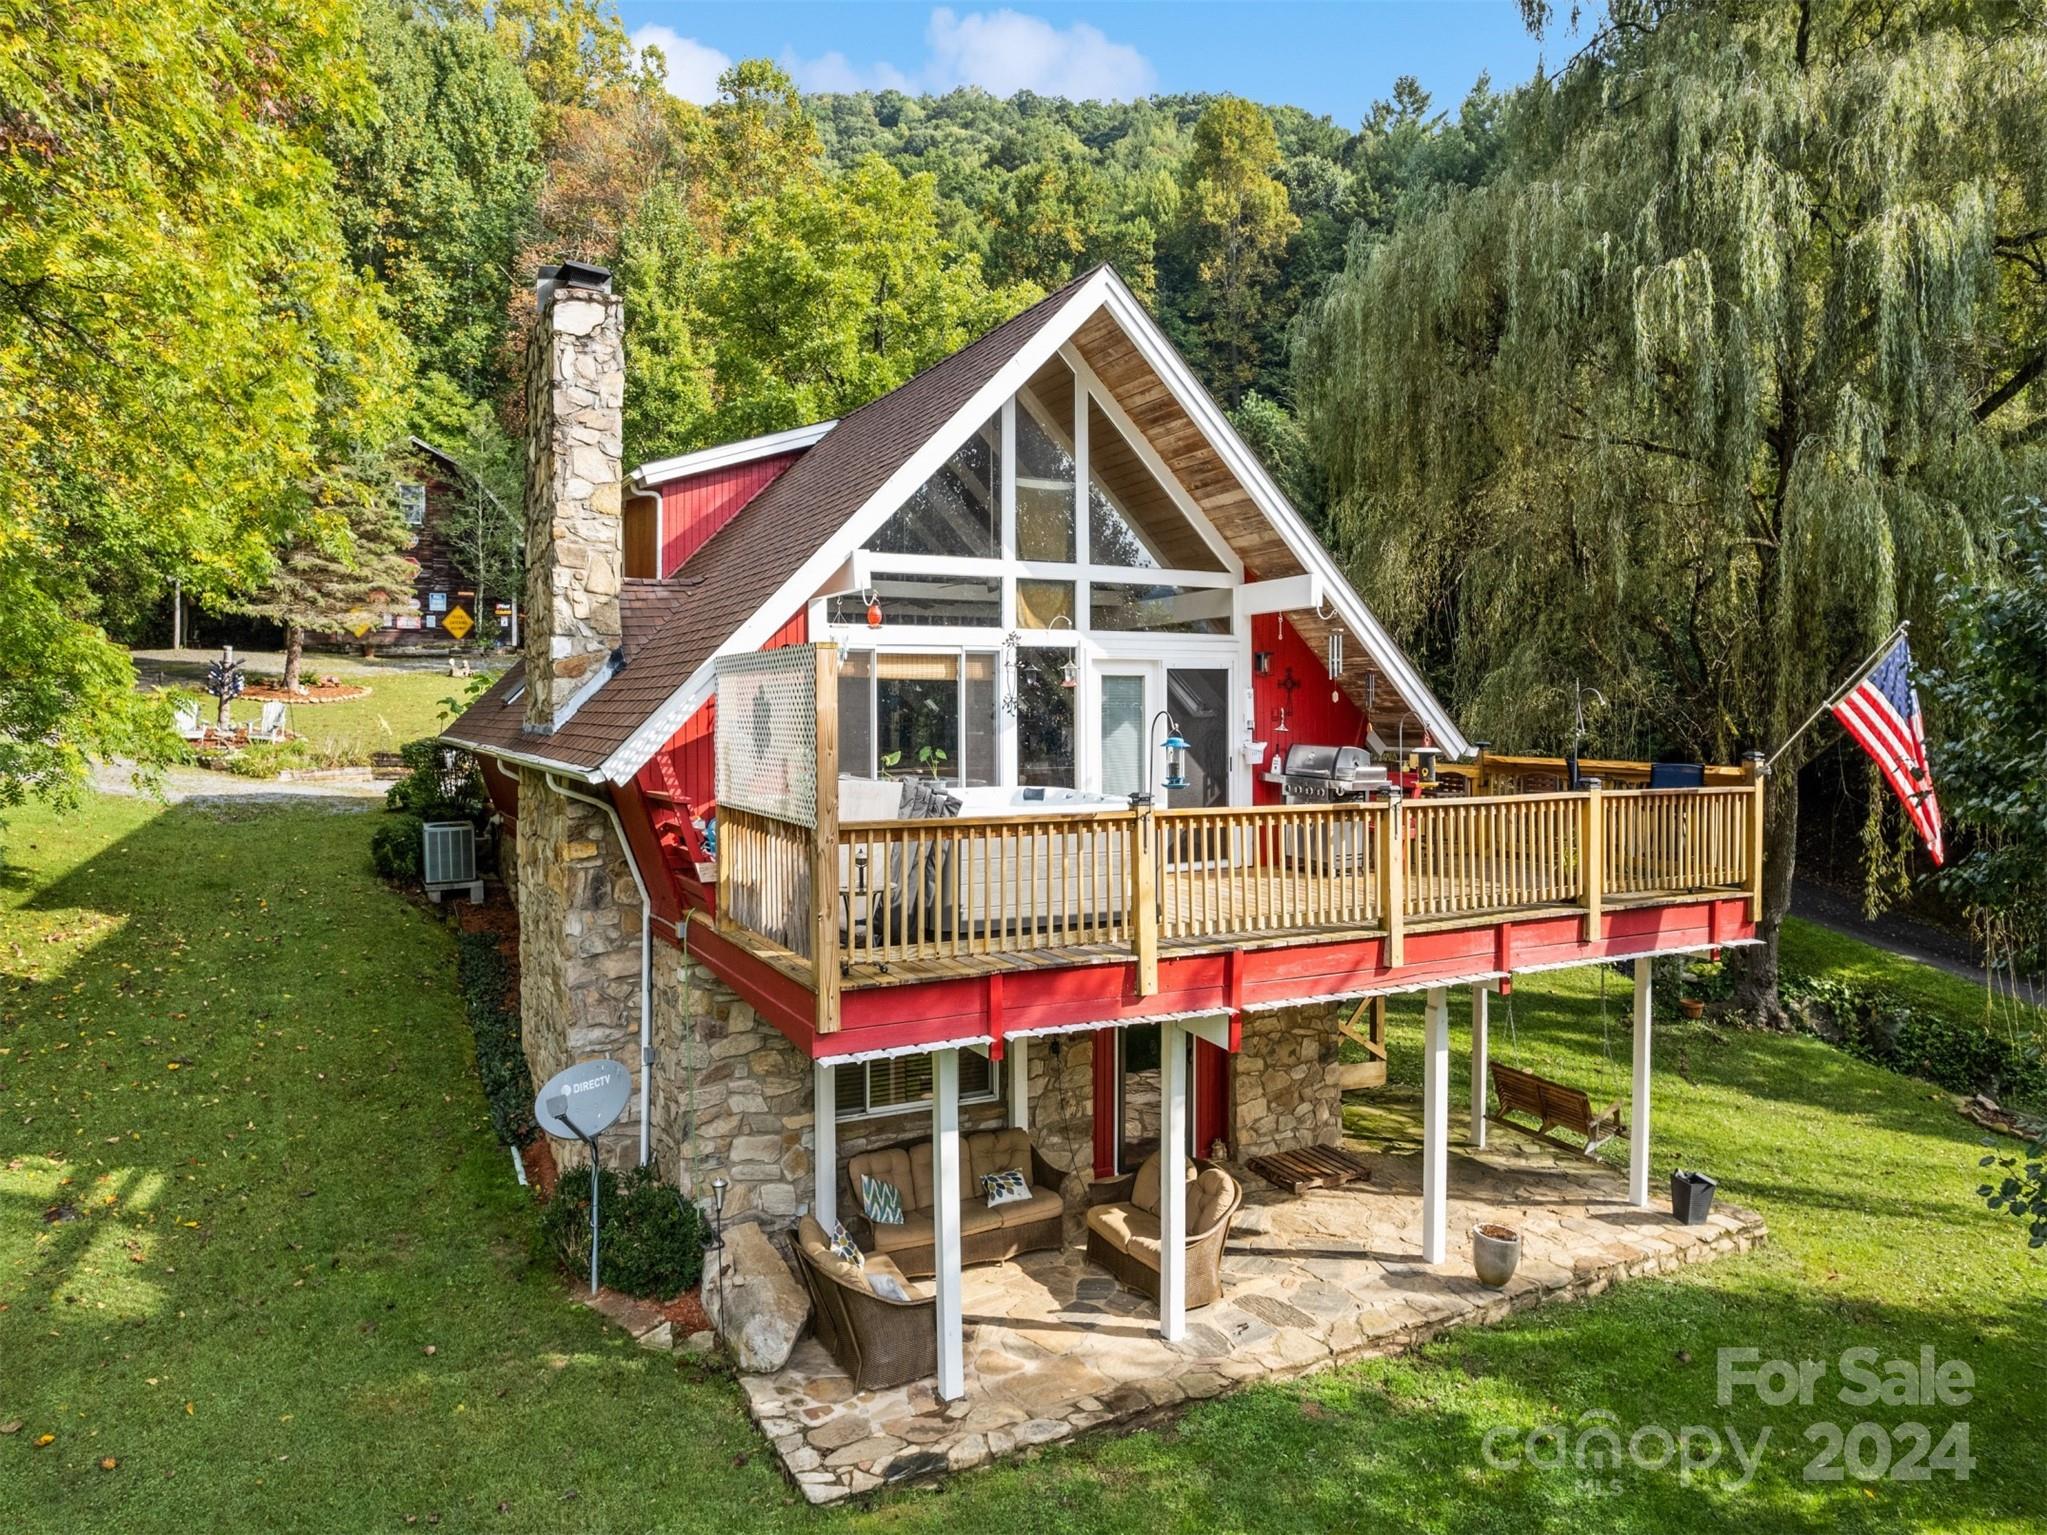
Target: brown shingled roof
[[744, 564]]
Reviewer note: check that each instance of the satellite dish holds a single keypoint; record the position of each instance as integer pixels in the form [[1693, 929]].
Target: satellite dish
[[582, 1100]]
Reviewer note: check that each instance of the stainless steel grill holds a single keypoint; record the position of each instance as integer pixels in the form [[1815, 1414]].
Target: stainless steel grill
[[1328, 775]]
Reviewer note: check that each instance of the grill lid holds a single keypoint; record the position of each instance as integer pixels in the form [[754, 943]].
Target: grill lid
[[1306, 760]]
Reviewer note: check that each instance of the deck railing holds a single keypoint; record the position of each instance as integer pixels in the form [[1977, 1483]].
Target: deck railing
[[1081, 887]]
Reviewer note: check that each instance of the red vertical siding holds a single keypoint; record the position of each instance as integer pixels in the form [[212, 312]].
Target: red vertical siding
[[1311, 713], [687, 767], [694, 508]]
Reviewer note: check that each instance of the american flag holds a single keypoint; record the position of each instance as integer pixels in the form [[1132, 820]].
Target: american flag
[[1882, 712]]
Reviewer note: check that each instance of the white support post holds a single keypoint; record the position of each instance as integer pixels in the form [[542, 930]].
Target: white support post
[[1478, 1064], [1016, 1063], [1173, 1183], [824, 1203], [945, 1221], [1435, 1124], [1638, 1111]]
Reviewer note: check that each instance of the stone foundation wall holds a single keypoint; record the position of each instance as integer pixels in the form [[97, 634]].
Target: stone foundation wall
[[1286, 1085], [579, 950]]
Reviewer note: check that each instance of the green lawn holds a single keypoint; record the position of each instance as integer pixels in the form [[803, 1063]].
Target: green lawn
[[402, 706], [241, 1061]]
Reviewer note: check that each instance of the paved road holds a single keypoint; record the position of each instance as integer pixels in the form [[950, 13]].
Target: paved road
[[1902, 936], [189, 785]]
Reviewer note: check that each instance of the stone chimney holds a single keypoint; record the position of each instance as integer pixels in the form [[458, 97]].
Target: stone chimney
[[575, 530]]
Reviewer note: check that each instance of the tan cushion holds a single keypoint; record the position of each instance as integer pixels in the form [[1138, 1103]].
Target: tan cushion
[[1210, 1196], [924, 1177], [975, 1218], [817, 1247], [882, 1263], [1127, 1229], [1042, 1204], [890, 1166], [995, 1151], [1145, 1192]]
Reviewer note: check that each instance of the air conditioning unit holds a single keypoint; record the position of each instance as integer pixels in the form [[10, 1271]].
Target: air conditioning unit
[[449, 858]]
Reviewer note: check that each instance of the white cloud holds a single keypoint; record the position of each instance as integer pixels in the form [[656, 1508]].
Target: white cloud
[[1003, 52], [693, 67], [835, 72]]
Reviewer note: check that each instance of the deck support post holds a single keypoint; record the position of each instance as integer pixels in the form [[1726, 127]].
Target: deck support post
[[824, 1203], [1638, 1110], [1435, 1124], [1173, 1183], [1016, 1066], [1479, 993], [1144, 901], [1592, 860], [1393, 883], [945, 1221]]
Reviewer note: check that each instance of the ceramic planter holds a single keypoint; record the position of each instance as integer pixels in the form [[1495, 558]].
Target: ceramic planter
[[1495, 1254], [1691, 1007]]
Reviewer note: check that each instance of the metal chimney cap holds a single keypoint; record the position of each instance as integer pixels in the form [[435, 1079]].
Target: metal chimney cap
[[577, 274]]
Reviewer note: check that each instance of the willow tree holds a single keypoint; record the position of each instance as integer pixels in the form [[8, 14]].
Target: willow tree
[[1736, 353]]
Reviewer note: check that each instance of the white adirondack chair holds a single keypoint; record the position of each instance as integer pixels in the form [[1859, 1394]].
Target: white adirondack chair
[[269, 725], [190, 727]]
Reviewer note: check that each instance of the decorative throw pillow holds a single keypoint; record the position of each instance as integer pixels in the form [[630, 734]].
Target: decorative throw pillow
[[845, 1248], [1005, 1188], [882, 1201]]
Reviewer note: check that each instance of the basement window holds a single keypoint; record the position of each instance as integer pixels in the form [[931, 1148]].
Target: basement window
[[902, 1084]]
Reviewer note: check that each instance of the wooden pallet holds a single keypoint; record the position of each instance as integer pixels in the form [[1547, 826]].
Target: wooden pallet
[[1311, 1167]]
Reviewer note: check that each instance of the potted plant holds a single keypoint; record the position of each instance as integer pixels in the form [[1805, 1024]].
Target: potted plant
[[1495, 1253], [1691, 1007]]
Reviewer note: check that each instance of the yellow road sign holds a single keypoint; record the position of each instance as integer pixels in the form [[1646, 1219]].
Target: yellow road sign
[[458, 622]]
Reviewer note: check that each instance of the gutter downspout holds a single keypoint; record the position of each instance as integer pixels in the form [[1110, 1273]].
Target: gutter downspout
[[646, 955]]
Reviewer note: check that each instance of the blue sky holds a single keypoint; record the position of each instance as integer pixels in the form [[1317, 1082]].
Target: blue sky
[[1323, 55]]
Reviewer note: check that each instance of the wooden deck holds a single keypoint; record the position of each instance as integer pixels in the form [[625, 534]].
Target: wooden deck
[[938, 900]]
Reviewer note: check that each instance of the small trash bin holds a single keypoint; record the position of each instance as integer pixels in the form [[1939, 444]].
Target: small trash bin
[[1691, 1196]]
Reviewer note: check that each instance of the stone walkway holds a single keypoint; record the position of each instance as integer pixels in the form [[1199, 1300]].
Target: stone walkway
[[1054, 1348]]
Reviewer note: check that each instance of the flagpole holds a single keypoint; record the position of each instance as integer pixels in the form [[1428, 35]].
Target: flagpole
[[1854, 680]]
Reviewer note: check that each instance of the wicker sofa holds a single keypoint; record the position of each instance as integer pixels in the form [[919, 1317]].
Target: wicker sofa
[[879, 1341], [1123, 1234], [986, 1236]]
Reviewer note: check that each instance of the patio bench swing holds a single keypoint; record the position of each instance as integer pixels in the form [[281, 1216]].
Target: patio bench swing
[[1555, 1105]]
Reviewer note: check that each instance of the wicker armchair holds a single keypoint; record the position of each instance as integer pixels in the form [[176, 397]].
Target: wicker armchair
[[1123, 1236], [878, 1341]]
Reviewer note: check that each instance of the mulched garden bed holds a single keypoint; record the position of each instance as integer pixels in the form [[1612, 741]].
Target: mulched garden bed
[[316, 693]]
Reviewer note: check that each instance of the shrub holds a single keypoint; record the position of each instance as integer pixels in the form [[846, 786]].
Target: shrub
[[440, 784], [653, 1239], [483, 976], [395, 848], [1961, 1055]]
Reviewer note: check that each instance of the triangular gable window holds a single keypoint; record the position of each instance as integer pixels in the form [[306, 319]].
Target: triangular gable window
[[958, 511], [1131, 520]]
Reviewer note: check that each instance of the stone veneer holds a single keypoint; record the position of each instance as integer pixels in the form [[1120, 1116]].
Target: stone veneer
[[575, 536], [579, 949], [1286, 1083], [732, 1098]]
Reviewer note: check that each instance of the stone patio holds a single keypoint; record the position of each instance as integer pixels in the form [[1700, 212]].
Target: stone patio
[[1054, 1348]]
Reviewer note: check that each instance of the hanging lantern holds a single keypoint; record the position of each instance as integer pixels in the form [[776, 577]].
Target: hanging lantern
[[1176, 760], [1069, 675]]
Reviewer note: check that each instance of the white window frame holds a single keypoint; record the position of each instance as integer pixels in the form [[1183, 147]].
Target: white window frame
[[914, 1106], [1093, 648]]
